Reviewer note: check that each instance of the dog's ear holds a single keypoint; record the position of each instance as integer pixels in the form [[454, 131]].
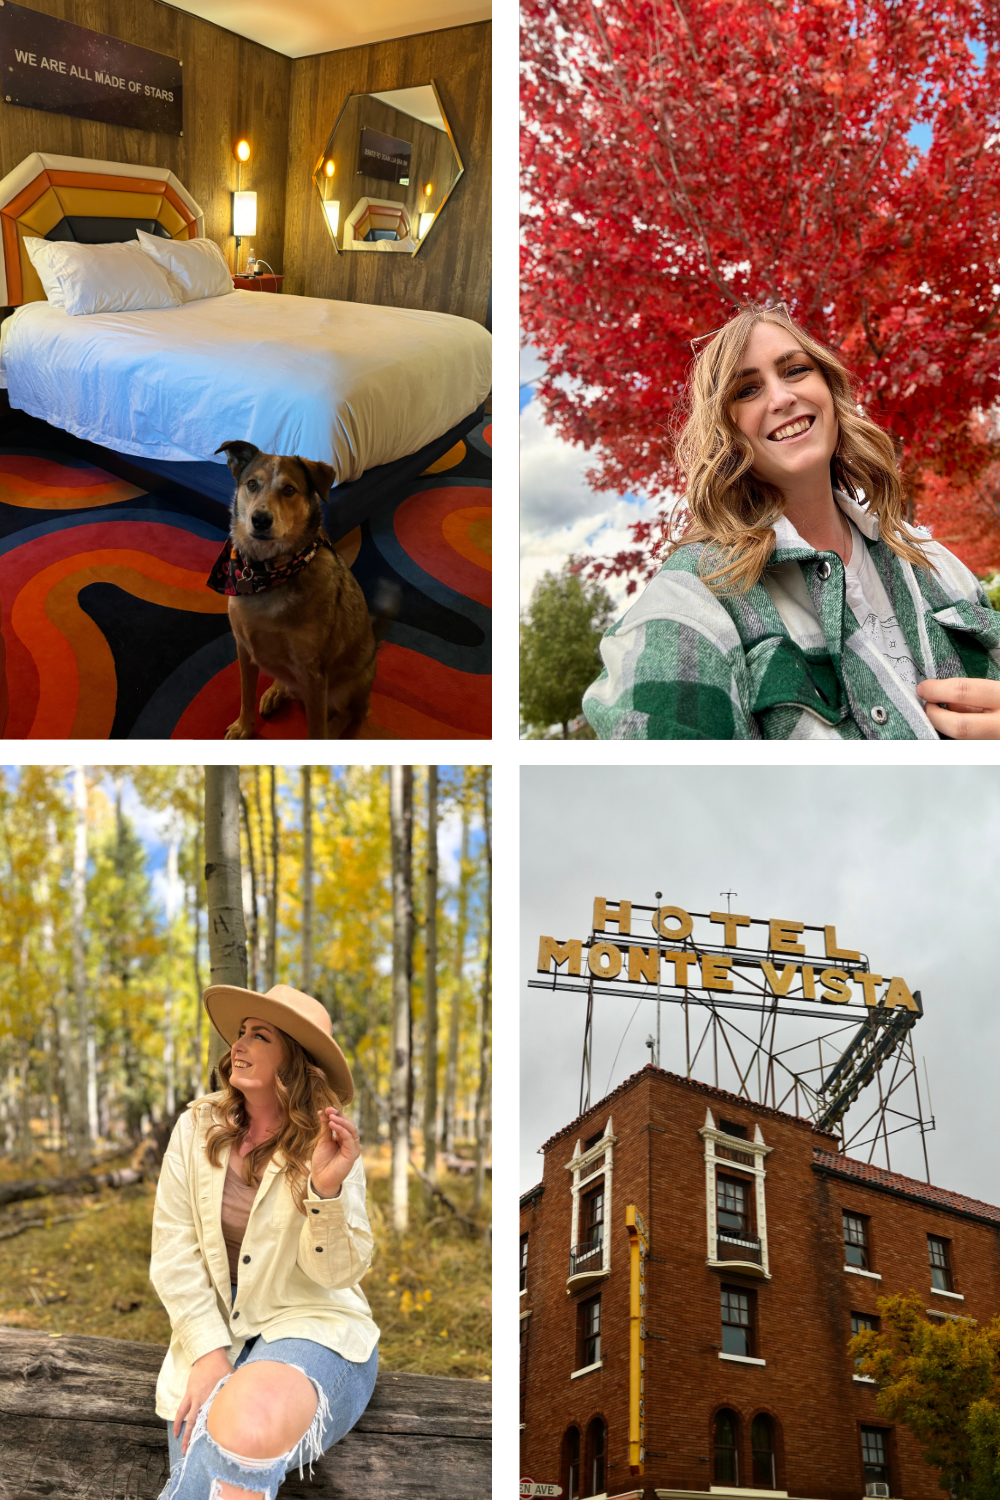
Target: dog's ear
[[239, 456], [320, 476]]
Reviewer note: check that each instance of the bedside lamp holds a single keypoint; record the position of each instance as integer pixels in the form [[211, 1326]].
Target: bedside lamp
[[244, 204]]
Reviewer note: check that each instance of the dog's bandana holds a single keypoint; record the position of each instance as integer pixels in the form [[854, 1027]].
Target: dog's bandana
[[235, 574]]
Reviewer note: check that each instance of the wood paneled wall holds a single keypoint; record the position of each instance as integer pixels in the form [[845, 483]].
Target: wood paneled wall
[[232, 87], [451, 273]]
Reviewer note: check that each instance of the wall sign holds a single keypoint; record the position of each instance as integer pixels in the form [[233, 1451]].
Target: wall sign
[[778, 965], [69, 70], [384, 156]]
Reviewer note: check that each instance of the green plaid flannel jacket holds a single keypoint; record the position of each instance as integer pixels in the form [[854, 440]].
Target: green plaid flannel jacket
[[787, 660]]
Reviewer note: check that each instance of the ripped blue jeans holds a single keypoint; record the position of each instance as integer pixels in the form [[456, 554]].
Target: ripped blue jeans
[[343, 1389]]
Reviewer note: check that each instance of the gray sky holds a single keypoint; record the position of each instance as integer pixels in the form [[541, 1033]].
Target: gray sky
[[903, 861]]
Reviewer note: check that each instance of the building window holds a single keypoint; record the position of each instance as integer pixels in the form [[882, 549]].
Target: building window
[[596, 1444], [874, 1456], [727, 1468], [524, 1369], [861, 1323], [856, 1241], [524, 1262], [762, 1445], [731, 1199], [940, 1264], [590, 1332], [593, 1217], [739, 1131], [737, 1323], [571, 1463]]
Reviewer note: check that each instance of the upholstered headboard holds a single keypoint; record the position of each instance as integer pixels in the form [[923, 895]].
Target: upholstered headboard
[[75, 198]]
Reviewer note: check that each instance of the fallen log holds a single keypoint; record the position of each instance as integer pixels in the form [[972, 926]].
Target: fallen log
[[87, 1182], [20, 1225], [77, 1420]]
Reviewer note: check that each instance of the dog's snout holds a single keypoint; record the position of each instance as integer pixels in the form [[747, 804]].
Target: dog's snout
[[261, 521]]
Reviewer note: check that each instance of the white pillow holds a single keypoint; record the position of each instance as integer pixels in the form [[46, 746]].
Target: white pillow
[[197, 268], [99, 278]]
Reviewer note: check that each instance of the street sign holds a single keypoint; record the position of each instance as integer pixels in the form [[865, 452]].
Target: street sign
[[529, 1487]]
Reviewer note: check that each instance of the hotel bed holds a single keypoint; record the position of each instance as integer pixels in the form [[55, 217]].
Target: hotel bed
[[363, 388]]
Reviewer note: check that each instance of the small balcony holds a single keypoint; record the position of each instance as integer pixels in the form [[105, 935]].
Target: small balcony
[[586, 1263], [734, 1247]]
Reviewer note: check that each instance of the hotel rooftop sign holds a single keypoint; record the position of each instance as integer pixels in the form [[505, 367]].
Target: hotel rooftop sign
[[722, 958]]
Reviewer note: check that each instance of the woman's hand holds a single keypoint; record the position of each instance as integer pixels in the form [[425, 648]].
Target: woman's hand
[[335, 1153], [963, 708], [205, 1375]]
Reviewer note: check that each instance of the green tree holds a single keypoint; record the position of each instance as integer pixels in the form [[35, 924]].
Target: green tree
[[942, 1381], [560, 635]]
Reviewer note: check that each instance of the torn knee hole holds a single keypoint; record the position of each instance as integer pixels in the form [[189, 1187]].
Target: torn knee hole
[[223, 1490]]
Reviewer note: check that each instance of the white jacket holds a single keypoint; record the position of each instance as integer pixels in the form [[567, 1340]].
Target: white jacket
[[301, 1278]]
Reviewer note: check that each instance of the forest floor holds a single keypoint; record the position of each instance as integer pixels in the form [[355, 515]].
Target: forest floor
[[429, 1289]]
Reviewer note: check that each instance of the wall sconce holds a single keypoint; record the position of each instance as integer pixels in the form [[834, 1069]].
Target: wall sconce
[[332, 208], [329, 168]]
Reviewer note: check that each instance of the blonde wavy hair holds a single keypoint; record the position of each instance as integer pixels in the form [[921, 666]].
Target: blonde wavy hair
[[302, 1089], [731, 509]]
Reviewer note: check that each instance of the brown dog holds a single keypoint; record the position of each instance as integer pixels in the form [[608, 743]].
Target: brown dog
[[296, 609]]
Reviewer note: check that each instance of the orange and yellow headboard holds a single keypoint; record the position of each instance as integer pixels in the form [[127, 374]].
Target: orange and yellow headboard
[[74, 198]]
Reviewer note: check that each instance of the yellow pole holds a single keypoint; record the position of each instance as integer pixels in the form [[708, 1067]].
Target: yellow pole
[[638, 1251]]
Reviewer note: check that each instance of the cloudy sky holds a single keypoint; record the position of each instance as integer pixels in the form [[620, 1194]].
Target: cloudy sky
[[560, 513], [904, 862]]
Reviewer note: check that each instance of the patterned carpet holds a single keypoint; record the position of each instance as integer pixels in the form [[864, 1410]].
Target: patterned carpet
[[110, 631]]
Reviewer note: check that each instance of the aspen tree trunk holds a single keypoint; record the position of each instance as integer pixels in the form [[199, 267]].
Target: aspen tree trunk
[[227, 938], [199, 1068], [401, 821], [485, 1020], [272, 897], [169, 1074], [307, 880], [430, 984], [251, 873], [261, 964], [75, 1109], [85, 1041], [458, 994]]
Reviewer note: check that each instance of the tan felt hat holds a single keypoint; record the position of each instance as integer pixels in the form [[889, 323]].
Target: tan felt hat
[[300, 1015]]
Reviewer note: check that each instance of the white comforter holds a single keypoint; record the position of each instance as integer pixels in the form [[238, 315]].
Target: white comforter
[[345, 383]]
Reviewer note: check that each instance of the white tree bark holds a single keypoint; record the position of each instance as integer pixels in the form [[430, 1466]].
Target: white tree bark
[[485, 1011], [430, 979], [458, 994], [173, 894], [400, 819], [86, 1070], [227, 938], [307, 880]]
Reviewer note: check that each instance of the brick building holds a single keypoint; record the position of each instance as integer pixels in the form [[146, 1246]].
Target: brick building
[[766, 1250]]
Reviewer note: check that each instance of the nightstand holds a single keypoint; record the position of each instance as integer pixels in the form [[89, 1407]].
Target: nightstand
[[258, 283]]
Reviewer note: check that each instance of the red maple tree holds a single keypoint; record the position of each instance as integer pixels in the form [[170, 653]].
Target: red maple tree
[[681, 156]]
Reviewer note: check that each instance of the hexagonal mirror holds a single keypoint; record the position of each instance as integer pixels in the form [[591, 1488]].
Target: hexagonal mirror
[[388, 169]]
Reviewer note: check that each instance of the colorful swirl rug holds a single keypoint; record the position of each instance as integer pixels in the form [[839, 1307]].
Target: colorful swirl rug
[[110, 631]]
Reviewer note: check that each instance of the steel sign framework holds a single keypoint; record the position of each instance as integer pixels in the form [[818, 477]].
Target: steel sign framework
[[743, 1023]]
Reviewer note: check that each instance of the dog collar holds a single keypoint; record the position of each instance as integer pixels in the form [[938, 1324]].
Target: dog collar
[[235, 574]]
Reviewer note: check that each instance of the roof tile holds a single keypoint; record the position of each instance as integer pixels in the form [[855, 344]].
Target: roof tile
[[907, 1187]]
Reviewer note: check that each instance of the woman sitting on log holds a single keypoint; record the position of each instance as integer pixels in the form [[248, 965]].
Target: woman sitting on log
[[260, 1240], [797, 604]]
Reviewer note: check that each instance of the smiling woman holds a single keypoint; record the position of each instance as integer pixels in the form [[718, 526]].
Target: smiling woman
[[797, 604]]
